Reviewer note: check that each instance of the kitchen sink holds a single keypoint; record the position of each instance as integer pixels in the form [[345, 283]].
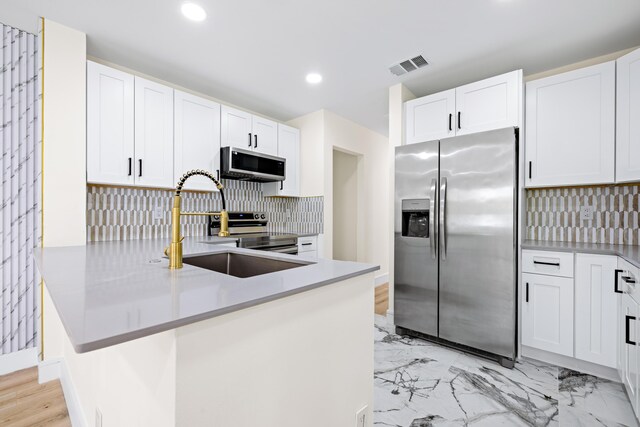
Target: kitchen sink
[[240, 265]]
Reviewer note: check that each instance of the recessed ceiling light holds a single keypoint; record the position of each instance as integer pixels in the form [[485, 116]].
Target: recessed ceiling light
[[193, 11], [314, 78]]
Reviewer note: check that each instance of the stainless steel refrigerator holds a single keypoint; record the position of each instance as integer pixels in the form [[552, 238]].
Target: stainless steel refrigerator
[[455, 241]]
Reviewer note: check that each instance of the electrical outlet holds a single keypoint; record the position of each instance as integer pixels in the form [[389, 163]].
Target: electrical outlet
[[158, 213], [361, 417], [98, 418], [586, 213]]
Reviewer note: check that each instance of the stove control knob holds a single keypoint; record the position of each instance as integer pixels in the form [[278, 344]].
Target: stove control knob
[[256, 216], [263, 216], [216, 217]]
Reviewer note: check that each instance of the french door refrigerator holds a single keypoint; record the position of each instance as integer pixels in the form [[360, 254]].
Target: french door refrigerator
[[456, 242]]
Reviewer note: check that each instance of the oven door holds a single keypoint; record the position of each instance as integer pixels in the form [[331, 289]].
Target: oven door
[[292, 250]]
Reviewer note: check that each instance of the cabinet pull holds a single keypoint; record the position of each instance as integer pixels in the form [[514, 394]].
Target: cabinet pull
[[615, 282], [555, 264], [307, 244], [130, 165], [628, 280], [281, 185], [218, 174], [459, 123], [139, 167], [249, 139], [255, 141], [626, 329], [530, 169], [450, 118], [527, 293]]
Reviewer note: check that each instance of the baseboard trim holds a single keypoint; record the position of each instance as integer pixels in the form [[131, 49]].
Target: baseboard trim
[[382, 279], [18, 360], [571, 363], [57, 369]]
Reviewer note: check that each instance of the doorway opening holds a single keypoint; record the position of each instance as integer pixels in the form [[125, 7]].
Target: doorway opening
[[345, 205]]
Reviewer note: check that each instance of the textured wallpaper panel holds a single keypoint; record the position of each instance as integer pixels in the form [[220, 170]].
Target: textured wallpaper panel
[[119, 213], [554, 214]]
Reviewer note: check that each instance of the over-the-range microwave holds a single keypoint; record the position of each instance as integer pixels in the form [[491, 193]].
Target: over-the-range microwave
[[247, 165]]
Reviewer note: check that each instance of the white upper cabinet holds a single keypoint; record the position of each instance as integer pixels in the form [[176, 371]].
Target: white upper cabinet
[[430, 117], [570, 128], [153, 134], [492, 103], [236, 128], [627, 118], [196, 139], [289, 148], [265, 135], [596, 309], [110, 135]]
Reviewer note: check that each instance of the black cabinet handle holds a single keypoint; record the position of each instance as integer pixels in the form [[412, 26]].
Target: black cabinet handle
[[450, 118], [555, 264], [281, 185], [628, 280], [255, 141], [218, 174], [307, 244], [249, 139], [615, 282], [130, 165], [530, 169], [626, 329], [459, 124], [527, 293], [139, 167]]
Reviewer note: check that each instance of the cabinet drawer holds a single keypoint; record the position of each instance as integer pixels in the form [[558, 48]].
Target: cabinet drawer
[[627, 276], [548, 263], [307, 244]]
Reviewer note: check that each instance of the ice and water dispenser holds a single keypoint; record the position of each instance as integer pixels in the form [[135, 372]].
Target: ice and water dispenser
[[415, 218]]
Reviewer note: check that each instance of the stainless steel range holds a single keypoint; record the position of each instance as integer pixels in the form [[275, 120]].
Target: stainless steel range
[[250, 228]]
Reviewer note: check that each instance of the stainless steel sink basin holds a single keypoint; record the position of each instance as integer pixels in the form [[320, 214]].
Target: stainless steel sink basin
[[240, 265]]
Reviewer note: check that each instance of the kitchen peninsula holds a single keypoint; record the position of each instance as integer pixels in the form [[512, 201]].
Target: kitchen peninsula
[[155, 346]]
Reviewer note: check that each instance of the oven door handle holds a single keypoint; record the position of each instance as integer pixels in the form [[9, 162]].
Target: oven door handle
[[293, 250]]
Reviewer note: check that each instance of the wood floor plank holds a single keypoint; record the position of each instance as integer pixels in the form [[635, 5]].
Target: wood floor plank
[[382, 299]]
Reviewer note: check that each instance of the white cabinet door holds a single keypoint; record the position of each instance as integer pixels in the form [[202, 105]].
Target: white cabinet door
[[289, 148], [430, 117], [492, 103], [235, 128], [547, 318], [153, 134], [628, 346], [627, 114], [197, 139], [596, 309], [570, 131], [109, 125], [265, 135]]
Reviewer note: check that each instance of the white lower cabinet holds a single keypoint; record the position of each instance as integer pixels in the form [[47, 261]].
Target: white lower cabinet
[[628, 347], [547, 313], [596, 309], [308, 247]]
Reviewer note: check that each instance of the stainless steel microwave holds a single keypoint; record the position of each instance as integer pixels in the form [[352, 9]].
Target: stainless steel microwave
[[247, 165]]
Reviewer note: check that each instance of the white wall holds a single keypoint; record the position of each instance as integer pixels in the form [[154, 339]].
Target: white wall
[[345, 206], [311, 153]]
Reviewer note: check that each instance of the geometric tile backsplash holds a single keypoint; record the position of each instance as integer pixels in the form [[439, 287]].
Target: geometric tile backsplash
[[554, 214], [125, 213]]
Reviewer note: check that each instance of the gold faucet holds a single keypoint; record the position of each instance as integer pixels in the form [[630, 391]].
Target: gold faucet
[[174, 250]]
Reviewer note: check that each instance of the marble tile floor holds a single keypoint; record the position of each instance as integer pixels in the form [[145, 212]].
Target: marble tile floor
[[421, 384]]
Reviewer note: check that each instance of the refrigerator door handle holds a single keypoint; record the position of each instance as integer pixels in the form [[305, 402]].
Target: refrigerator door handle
[[443, 218], [433, 235]]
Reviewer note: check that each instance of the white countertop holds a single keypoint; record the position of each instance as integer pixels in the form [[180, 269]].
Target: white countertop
[[630, 253], [107, 293]]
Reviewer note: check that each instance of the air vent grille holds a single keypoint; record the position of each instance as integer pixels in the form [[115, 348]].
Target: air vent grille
[[408, 65]]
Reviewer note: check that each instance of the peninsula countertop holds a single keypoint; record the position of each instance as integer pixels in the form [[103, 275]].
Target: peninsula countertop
[[630, 253], [108, 293]]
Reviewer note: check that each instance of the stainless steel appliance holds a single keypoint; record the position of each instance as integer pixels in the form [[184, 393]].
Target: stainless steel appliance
[[247, 165], [455, 242], [250, 228]]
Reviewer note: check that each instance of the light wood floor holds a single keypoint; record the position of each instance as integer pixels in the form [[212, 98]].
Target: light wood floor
[[382, 299], [24, 402]]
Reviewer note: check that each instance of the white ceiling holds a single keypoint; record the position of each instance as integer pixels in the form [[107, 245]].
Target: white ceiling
[[256, 53]]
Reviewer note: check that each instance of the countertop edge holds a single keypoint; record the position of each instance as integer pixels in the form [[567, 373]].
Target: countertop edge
[[123, 338]]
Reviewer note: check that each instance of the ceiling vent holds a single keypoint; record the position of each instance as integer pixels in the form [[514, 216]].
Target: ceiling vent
[[409, 65]]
